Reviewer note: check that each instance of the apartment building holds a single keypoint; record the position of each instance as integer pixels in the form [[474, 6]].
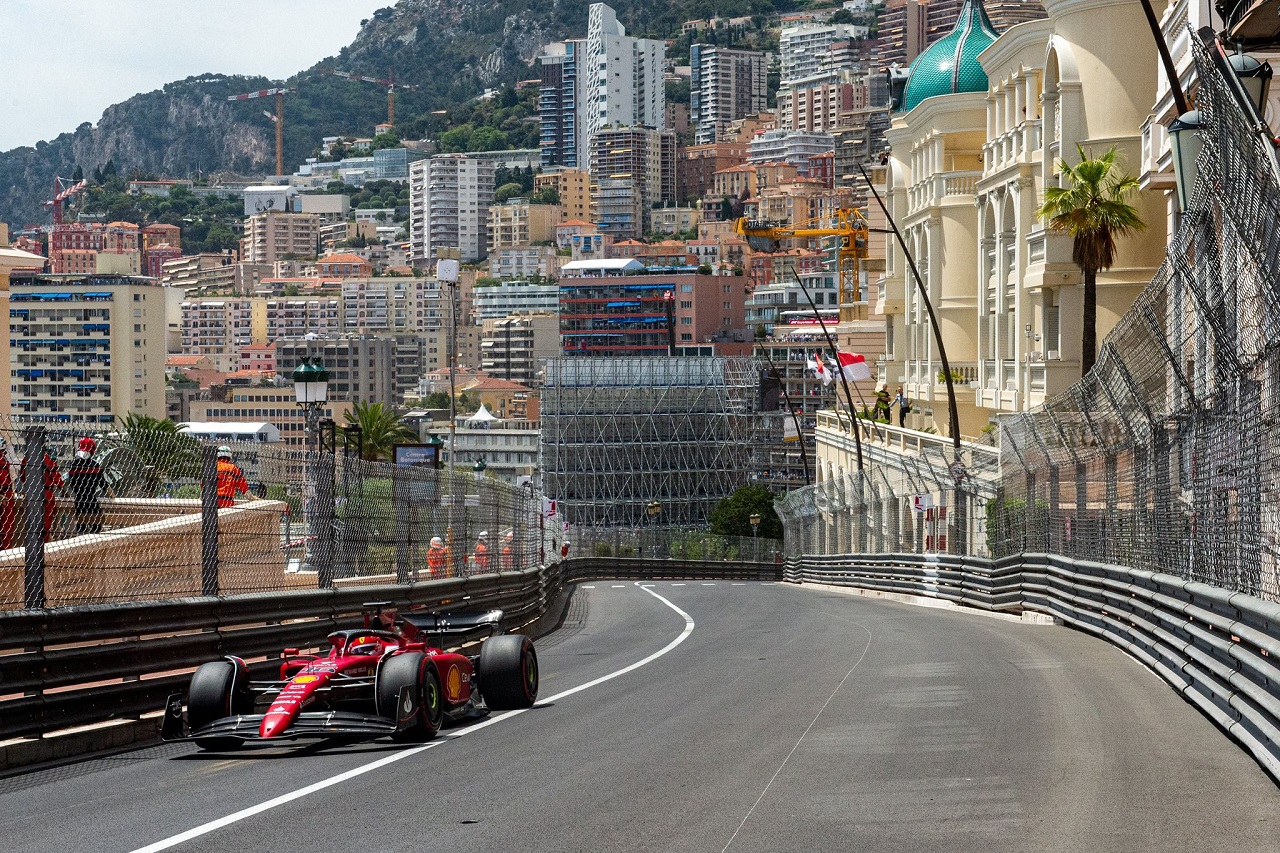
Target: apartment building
[[86, 348], [640, 313], [726, 84], [392, 305], [449, 198], [513, 348], [271, 235], [696, 166], [208, 269], [558, 103], [632, 169], [572, 185], [361, 367], [623, 81], [517, 222], [218, 327], [514, 297], [806, 50], [795, 147], [295, 316]]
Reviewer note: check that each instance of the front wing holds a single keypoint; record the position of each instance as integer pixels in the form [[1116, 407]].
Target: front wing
[[308, 724]]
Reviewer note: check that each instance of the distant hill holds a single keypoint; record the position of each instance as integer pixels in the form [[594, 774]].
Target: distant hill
[[451, 49]]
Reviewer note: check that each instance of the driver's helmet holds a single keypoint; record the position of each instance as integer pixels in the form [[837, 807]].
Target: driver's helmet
[[365, 646]]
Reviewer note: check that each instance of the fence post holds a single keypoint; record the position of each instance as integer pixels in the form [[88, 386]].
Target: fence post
[[33, 475], [324, 515], [401, 509], [208, 520]]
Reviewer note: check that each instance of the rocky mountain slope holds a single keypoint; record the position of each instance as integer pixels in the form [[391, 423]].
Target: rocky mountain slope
[[451, 49]]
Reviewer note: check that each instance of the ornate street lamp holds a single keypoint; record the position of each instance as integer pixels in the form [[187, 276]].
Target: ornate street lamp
[[1254, 76], [311, 392], [1185, 142], [311, 384]]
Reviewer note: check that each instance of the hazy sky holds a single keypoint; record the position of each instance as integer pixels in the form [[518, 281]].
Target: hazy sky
[[62, 62]]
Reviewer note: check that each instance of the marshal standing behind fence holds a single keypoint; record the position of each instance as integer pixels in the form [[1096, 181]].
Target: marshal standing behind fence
[[86, 482]]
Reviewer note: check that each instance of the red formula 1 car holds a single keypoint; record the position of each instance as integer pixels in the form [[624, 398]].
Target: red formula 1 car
[[384, 679]]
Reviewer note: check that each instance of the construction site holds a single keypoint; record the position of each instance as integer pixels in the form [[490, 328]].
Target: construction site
[[651, 440]]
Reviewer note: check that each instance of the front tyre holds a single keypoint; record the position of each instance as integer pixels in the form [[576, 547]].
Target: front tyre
[[508, 672], [216, 692], [415, 671]]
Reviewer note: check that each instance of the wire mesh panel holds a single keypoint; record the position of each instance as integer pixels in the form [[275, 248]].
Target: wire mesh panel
[[1166, 456], [148, 512]]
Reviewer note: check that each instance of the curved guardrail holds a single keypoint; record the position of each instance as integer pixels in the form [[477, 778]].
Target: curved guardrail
[[1219, 649], [67, 667]]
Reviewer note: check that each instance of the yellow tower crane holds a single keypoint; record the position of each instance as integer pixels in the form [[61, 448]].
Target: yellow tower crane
[[846, 223]]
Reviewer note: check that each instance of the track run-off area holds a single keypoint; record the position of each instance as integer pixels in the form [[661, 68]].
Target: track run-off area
[[720, 716]]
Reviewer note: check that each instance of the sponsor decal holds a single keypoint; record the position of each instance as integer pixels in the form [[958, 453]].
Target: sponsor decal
[[305, 679]]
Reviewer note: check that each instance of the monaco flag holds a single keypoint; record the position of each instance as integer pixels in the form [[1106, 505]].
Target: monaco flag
[[853, 366]]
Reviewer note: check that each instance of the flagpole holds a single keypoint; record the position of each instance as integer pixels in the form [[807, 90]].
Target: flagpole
[[853, 416], [933, 319]]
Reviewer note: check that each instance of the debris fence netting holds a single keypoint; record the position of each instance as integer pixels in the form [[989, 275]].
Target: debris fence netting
[[1166, 456], [150, 512]]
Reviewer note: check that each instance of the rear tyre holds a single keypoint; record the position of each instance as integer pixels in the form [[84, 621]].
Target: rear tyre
[[508, 672], [415, 671], [215, 693]]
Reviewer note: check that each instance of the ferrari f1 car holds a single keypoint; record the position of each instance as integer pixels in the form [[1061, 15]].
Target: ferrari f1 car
[[385, 679]]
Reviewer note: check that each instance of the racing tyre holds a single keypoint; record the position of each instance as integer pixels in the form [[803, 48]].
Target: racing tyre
[[215, 693], [415, 671], [508, 672]]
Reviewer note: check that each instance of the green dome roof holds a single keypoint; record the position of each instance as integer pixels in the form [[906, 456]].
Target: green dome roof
[[950, 64]]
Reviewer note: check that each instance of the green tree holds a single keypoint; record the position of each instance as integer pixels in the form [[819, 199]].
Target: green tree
[[732, 515], [489, 139], [456, 140], [507, 191], [148, 453], [1091, 207], [380, 428], [546, 195]]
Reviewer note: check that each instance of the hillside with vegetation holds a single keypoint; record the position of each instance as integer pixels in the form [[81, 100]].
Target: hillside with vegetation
[[451, 50]]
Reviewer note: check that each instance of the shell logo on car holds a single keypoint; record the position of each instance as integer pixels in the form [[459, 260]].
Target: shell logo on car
[[454, 683], [305, 679]]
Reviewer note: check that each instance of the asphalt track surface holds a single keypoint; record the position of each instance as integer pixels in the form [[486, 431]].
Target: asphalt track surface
[[760, 717]]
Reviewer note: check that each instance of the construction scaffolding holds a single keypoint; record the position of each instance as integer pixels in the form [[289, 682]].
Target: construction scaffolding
[[645, 441]]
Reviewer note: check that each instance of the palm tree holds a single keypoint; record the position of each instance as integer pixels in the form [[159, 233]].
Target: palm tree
[[380, 428], [146, 453], [1092, 209]]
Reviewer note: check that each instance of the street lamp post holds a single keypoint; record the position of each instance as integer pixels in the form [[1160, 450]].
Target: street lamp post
[[311, 393], [654, 509], [755, 527]]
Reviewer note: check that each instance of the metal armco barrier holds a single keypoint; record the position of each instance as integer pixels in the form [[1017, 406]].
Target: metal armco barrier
[[1219, 649], [76, 666]]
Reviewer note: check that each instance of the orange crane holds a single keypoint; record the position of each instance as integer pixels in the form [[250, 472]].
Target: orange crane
[[277, 118], [63, 189], [846, 223], [391, 85]]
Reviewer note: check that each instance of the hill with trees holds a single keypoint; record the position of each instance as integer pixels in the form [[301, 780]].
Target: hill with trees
[[452, 50]]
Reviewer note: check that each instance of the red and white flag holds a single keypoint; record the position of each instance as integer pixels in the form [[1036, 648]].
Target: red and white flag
[[853, 366], [819, 368]]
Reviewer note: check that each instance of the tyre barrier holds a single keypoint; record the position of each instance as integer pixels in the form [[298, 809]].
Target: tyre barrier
[[1219, 649], [67, 667]]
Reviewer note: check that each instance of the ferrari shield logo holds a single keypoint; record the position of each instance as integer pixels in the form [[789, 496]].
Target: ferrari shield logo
[[454, 683]]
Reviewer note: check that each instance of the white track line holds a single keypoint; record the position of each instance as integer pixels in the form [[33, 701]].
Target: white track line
[[236, 817]]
